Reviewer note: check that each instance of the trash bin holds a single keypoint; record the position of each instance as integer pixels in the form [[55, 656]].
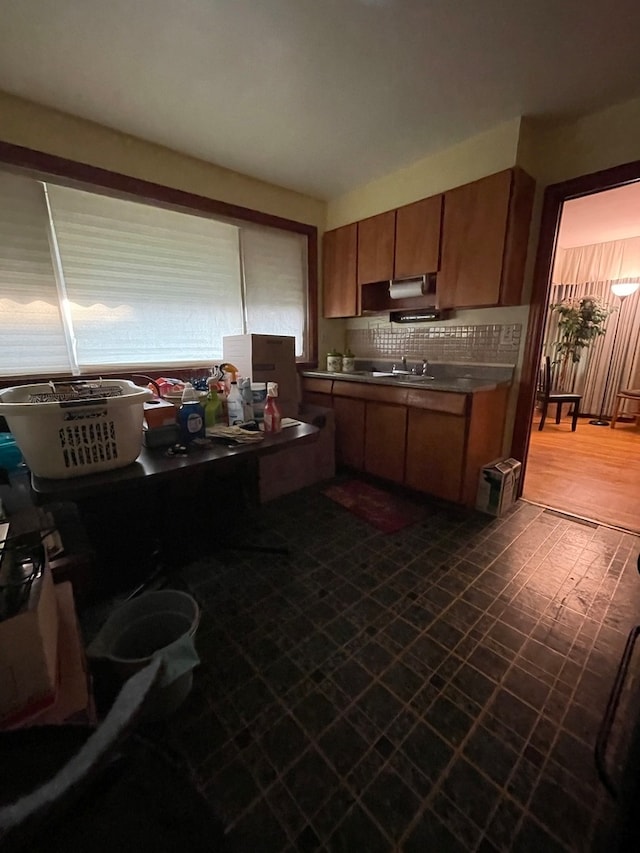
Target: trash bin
[[157, 623]]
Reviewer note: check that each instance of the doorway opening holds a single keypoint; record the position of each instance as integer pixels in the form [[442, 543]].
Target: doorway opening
[[585, 329]]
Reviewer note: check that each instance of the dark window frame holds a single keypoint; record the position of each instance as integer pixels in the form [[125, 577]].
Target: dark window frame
[[38, 164]]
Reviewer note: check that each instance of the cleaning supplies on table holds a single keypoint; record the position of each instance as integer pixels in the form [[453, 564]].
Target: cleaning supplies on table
[[234, 405], [272, 419], [247, 399], [190, 416]]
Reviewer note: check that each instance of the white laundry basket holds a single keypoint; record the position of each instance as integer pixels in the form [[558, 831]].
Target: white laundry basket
[[76, 428]]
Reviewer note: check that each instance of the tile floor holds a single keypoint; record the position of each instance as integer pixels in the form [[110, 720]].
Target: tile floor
[[438, 689]]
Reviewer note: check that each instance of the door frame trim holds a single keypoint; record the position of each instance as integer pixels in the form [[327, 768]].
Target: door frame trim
[[554, 197]]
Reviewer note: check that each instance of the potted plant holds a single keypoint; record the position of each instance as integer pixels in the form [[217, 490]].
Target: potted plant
[[580, 321]]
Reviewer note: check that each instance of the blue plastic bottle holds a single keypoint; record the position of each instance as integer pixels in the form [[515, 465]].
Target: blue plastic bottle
[[190, 416]]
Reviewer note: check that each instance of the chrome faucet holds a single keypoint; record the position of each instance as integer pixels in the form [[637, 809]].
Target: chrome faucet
[[423, 369], [403, 369]]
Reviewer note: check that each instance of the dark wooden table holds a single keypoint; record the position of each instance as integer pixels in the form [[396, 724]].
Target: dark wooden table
[[167, 509]]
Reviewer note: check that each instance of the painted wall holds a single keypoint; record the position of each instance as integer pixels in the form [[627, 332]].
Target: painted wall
[[43, 129], [474, 158]]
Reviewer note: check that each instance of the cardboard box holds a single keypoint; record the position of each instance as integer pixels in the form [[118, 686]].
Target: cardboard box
[[74, 700], [159, 413], [267, 358], [498, 486], [294, 468], [29, 654]]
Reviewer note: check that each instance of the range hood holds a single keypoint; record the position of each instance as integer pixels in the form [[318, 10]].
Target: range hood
[[417, 315]]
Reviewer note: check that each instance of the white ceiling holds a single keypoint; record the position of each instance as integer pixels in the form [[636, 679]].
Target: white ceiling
[[601, 217], [318, 95]]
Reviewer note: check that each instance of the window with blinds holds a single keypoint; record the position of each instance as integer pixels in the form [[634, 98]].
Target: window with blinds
[[90, 282]]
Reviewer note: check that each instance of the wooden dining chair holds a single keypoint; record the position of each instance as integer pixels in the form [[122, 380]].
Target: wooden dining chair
[[546, 396]]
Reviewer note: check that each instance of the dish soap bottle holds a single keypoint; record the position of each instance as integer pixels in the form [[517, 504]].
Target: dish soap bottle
[[190, 416], [272, 420], [234, 405], [212, 407]]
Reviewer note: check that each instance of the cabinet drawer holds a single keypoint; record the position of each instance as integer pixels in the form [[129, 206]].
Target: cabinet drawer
[[318, 386], [375, 393], [438, 401]]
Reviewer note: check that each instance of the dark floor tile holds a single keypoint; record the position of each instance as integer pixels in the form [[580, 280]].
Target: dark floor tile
[[365, 770], [456, 821], [332, 812], [504, 824], [343, 746], [250, 699], [495, 758], [489, 662], [509, 638], [471, 792], [391, 802], [380, 705], [401, 632], [523, 780], [450, 721], [351, 678], [564, 816], [315, 712], [307, 841], [533, 838], [513, 712], [531, 690], [430, 834], [374, 657], [284, 807], [427, 750], [358, 832], [473, 684], [284, 742], [425, 655], [310, 782], [404, 682], [259, 829], [233, 788], [447, 635], [282, 675]]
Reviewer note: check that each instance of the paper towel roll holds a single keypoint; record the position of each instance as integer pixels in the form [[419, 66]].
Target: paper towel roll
[[405, 289]]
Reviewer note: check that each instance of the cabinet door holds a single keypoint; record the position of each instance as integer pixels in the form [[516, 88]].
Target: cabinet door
[[474, 231], [435, 453], [349, 416], [384, 443], [418, 237], [339, 254], [375, 247]]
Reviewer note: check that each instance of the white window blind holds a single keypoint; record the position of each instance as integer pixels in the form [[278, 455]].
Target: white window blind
[[275, 272], [145, 285], [32, 339]]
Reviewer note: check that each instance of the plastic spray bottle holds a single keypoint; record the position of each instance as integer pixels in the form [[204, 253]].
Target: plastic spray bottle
[[272, 420], [234, 405], [190, 416]]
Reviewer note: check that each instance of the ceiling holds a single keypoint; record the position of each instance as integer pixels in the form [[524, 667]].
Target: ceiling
[[601, 217], [318, 95]]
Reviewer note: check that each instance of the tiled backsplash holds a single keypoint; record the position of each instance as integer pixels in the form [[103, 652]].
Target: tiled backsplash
[[490, 344]]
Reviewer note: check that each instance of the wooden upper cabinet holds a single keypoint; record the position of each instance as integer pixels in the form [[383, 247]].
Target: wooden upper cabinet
[[418, 237], [484, 241], [376, 237], [339, 255]]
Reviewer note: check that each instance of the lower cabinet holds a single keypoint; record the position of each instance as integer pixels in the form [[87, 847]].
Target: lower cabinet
[[350, 422], [435, 453], [431, 441], [384, 441]]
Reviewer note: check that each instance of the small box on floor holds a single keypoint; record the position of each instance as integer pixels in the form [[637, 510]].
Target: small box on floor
[[498, 486]]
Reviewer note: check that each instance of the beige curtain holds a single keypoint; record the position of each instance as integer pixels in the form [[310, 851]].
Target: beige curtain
[[590, 271]]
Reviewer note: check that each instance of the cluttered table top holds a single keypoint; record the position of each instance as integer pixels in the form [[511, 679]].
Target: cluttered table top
[[158, 463]]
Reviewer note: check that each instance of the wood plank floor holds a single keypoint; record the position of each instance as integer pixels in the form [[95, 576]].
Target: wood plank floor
[[593, 472]]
